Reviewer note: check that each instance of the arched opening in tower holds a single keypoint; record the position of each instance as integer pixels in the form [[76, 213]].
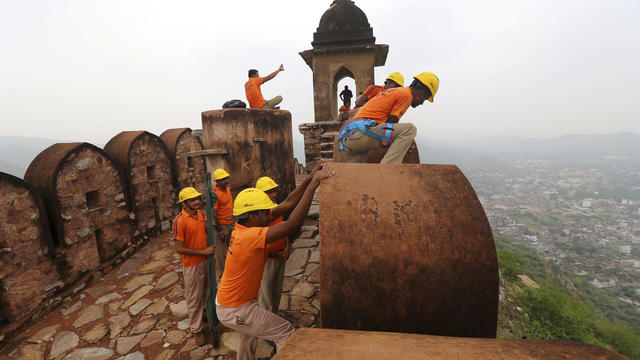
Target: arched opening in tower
[[344, 88]]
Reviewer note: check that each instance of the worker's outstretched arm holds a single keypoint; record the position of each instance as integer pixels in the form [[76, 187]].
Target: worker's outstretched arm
[[294, 197], [294, 222], [273, 74]]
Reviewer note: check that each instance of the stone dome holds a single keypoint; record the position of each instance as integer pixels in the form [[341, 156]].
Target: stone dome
[[343, 24]]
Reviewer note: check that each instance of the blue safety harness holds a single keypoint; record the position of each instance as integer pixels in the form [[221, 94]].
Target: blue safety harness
[[362, 125]]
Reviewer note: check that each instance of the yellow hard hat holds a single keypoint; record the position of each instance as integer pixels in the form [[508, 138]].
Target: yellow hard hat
[[397, 78], [188, 193], [429, 80], [265, 183], [219, 174], [251, 199]]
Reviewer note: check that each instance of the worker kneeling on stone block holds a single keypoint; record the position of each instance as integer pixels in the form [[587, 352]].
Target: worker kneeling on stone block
[[376, 124], [190, 240], [222, 212], [236, 304], [278, 251]]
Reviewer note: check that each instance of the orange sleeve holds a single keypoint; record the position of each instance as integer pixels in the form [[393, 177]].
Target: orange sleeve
[[401, 105], [259, 238], [178, 228], [260, 81]]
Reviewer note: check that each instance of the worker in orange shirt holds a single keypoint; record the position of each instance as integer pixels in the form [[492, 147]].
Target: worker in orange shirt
[[190, 241], [254, 94], [236, 304], [376, 123], [394, 80], [222, 212], [278, 252]]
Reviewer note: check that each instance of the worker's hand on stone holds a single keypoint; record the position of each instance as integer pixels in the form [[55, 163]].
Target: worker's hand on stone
[[286, 252], [323, 174], [210, 250], [318, 167], [281, 68]]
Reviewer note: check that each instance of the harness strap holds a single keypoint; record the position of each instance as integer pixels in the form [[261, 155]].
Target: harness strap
[[363, 125]]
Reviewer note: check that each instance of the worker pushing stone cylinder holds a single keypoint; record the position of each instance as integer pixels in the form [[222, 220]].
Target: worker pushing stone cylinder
[[406, 248]]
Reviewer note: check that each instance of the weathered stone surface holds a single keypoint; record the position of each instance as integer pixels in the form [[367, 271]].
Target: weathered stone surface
[[298, 303], [304, 289], [133, 356], [200, 352], [229, 340], [143, 326], [96, 291], [305, 235], [137, 295], [117, 323], [180, 310], [136, 308], [176, 292], [33, 352], [304, 243], [303, 319], [95, 353], [157, 307], [165, 355], [71, 309], [163, 254], [151, 267], [164, 322], [152, 337], [43, 335], [289, 283], [284, 303], [114, 307], [316, 303], [189, 345], [312, 271], [107, 298], [166, 280], [89, 314], [264, 350], [96, 333], [175, 337], [297, 260], [310, 228], [138, 281], [314, 211], [125, 344], [184, 324], [315, 256], [63, 342]]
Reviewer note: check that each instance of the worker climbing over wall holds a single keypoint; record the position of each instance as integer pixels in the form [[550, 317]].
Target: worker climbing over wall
[[278, 251], [394, 80], [190, 240], [223, 210], [237, 305], [254, 93], [376, 123]]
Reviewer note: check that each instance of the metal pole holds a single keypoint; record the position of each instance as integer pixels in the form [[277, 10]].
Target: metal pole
[[210, 198]]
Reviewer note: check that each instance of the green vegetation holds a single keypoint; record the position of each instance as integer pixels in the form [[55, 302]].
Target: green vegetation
[[551, 312]]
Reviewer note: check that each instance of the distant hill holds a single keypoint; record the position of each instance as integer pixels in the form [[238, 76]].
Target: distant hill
[[16, 152]]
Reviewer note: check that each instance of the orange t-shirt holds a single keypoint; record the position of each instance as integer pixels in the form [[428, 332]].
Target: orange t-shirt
[[244, 266], [224, 206], [192, 231], [280, 243], [393, 101], [372, 90], [254, 95]]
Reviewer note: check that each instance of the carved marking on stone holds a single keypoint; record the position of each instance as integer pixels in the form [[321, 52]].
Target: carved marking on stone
[[369, 209], [402, 209]]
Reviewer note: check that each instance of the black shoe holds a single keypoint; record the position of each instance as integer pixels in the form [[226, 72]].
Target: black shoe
[[276, 108]]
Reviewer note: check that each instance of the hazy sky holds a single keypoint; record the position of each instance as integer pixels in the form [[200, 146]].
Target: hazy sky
[[86, 70]]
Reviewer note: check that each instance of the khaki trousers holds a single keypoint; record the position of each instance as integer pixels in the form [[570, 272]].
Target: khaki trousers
[[271, 103], [251, 322], [360, 144], [195, 293], [271, 285], [222, 247]]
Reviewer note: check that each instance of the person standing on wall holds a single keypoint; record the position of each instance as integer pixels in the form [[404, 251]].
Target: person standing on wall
[[222, 212], [376, 123], [236, 304], [190, 241], [278, 251], [254, 93]]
